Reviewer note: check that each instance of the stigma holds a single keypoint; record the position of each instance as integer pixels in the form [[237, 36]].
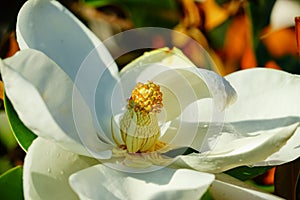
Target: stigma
[[139, 126], [146, 98]]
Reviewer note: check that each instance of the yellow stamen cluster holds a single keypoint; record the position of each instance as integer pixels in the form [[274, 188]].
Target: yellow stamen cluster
[[139, 125], [146, 98]]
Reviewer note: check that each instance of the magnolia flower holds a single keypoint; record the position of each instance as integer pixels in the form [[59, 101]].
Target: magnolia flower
[[135, 127]]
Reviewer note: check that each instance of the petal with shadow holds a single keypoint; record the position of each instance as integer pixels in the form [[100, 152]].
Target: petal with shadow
[[267, 94], [228, 188], [49, 27], [101, 182], [42, 95], [239, 145], [47, 168]]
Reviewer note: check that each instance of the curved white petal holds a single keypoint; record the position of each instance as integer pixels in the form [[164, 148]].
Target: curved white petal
[[96, 84], [267, 94], [181, 82], [101, 182], [41, 94], [268, 102], [228, 188], [47, 168], [289, 152], [264, 94], [47, 26], [283, 14], [240, 144]]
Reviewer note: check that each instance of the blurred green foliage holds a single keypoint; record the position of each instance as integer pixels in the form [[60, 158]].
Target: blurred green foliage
[[11, 184], [145, 13]]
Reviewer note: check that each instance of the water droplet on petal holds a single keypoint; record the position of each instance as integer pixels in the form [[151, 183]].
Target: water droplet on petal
[[49, 170], [61, 172]]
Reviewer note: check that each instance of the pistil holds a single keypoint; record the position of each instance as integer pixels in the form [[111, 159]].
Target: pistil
[[139, 125]]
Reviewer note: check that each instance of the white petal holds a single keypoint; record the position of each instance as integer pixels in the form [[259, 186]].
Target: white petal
[[264, 94], [47, 168], [283, 14], [101, 182], [241, 144], [42, 95], [289, 152], [267, 94], [97, 85], [181, 82], [47, 26], [229, 188]]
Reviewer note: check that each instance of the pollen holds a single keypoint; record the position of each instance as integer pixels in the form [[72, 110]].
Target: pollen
[[146, 98]]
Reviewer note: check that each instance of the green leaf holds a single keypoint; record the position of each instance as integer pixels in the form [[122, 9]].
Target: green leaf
[[6, 136], [245, 173], [11, 184], [265, 188], [5, 164], [23, 135], [207, 196]]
